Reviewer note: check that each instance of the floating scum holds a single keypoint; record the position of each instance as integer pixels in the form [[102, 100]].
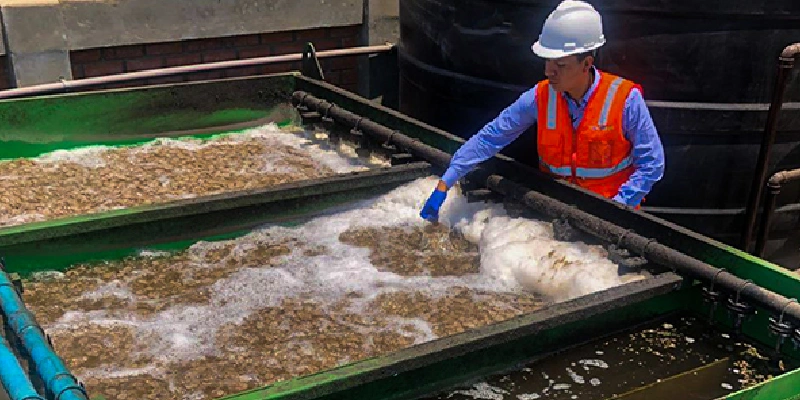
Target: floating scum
[[98, 178], [280, 302]]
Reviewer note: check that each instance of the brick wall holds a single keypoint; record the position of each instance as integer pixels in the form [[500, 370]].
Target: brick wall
[[112, 60], [5, 78]]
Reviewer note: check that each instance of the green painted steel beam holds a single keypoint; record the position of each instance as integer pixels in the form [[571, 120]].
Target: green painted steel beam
[[447, 362], [784, 387], [56, 244]]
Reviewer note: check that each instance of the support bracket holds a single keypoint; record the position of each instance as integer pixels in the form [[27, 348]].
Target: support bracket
[[309, 64]]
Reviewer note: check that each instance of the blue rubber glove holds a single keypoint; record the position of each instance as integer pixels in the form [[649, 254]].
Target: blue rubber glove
[[430, 211]]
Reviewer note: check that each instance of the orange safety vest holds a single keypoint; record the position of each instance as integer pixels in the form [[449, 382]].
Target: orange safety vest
[[596, 155]]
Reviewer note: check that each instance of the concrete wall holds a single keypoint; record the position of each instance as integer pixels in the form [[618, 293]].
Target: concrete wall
[[382, 21], [45, 41]]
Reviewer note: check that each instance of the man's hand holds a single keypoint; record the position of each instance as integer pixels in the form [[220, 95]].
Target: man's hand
[[430, 211]]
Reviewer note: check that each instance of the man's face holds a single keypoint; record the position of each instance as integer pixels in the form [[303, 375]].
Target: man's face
[[567, 73]]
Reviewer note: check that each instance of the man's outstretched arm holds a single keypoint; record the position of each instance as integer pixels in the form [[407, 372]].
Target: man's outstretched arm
[[647, 152], [493, 137]]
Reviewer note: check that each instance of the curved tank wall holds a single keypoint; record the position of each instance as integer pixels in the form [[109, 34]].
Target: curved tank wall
[[707, 76]]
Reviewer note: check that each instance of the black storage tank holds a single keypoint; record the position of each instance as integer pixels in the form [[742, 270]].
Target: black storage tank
[[707, 70]]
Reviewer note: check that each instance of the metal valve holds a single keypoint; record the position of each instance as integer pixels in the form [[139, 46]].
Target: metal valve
[[713, 296], [562, 230], [741, 311], [796, 338], [625, 261], [782, 330]]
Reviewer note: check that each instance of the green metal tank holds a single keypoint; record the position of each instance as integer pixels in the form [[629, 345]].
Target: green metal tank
[[134, 115]]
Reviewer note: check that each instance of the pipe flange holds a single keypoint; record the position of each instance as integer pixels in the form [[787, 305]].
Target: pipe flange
[[617, 251], [716, 276], [302, 101], [622, 236], [779, 327], [709, 294], [643, 252], [739, 307], [785, 306], [712, 296], [80, 389], [358, 122], [327, 111], [796, 337], [562, 230], [388, 141], [739, 290]]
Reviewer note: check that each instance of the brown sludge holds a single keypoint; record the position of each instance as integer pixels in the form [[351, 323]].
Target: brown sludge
[[300, 336], [42, 190]]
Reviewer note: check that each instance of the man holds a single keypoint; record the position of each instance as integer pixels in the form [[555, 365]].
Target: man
[[593, 129]]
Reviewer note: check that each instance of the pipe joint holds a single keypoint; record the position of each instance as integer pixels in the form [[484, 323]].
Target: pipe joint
[[22, 321], [789, 56], [72, 391], [791, 51], [774, 186], [783, 177]]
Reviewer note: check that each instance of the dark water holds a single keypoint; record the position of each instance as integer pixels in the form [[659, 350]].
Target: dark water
[[680, 357]]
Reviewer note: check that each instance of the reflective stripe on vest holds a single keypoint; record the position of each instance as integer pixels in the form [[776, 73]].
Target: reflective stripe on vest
[[552, 100], [589, 172], [551, 108], [612, 91], [592, 173]]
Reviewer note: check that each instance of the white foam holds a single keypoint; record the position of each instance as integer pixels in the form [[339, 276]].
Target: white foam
[[153, 253], [21, 219], [89, 157], [561, 386], [115, 288], [483, 391], [340, 159], [577, 378], [523, 252], [594, 363], [113, 372], [516, 254], [47, 276]]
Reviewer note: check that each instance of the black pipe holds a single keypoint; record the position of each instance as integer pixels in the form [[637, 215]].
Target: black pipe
[[785, 63], [647, 248], [378, 131], [774, 185], [598, 227]]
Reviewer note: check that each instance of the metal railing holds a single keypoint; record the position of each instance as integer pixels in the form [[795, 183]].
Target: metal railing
[[71, 85]]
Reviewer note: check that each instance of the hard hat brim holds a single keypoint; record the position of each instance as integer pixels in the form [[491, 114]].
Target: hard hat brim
[[549, 53]]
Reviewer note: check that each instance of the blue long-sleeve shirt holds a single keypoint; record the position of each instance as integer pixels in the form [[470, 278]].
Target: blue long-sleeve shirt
[[637, 126]]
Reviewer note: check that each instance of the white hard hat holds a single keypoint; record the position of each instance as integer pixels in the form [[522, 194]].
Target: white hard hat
[[573, 27]]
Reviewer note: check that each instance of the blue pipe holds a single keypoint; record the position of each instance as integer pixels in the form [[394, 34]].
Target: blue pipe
[[13, 377], [60, 383]]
